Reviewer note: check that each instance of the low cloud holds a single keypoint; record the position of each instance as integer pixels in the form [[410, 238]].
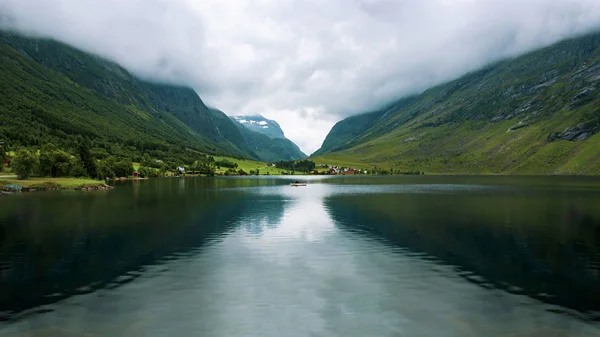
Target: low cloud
[[304, 63]]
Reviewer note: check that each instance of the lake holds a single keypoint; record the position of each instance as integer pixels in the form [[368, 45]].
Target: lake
[[343, 256]]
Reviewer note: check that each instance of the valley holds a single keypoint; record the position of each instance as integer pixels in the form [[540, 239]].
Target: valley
[[534, 114]]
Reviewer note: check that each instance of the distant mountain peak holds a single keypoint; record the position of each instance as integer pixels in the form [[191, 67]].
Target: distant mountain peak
[[266, 138], [260, 124]]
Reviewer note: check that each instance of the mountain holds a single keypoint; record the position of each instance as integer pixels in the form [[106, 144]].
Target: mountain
[[50, 92], [535, 114], [258, 123], [265, 138]]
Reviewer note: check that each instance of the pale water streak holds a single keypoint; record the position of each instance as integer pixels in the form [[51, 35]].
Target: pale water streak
[[290, 263]]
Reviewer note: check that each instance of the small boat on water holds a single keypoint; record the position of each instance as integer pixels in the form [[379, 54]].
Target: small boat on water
[[297, 183]]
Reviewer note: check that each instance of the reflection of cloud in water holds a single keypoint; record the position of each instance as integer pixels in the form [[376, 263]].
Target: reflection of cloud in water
[[304, 218], [297, 275]]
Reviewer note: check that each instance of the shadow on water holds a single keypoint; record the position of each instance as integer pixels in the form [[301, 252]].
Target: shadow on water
[[543, 245], [56, 245]]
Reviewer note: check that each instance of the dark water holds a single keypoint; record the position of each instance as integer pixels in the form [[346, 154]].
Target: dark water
[[403, 256]]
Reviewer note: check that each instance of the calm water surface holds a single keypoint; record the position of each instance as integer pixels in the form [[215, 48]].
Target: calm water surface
[[399, 256]]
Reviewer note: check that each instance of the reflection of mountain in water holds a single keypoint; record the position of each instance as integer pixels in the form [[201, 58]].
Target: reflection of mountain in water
[[86, 242], [517, 244], [330, 249]]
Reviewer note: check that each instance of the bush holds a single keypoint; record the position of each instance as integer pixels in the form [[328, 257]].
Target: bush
[[226, 163], [203, 167], [54, 162], [232, 172], [146, 172], [25, 163], [79, 171], [104, 171], [123, 168]]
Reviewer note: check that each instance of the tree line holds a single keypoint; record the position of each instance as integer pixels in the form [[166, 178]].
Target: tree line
[[305, 165], [83, 161]]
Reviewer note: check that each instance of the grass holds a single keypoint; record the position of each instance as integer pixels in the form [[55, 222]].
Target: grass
[[67, 183], [339, 159], [498, 120], [251, 165]]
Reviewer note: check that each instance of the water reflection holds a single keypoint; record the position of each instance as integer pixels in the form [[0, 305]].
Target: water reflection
[[546, 250], [256, 257]]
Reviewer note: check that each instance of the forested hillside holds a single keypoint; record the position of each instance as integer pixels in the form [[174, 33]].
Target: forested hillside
[[52, 93]]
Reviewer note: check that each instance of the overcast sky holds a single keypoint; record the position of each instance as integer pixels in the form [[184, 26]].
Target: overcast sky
[[304, 63]]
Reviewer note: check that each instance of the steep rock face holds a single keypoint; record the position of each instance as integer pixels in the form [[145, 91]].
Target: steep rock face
[[258, 123], [59, 92], [268, 149], [538, 113]]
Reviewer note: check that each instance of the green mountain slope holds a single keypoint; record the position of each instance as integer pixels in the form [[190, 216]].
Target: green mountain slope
[[350, 130], [269, 149], [535, 114], [50, 92]]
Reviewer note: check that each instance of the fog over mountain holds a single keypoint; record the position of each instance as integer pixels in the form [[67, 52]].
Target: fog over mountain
[[304, 63]]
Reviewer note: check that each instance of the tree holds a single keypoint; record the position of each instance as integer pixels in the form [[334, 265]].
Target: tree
[[78, 170], [104, 171], [87, 161], [146, 160], [147, 172], [226, 163], [123, 168], [55, 162], [2, 157], [25, 163]]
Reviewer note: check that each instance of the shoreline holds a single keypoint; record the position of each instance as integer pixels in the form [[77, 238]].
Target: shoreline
[[13, 186]]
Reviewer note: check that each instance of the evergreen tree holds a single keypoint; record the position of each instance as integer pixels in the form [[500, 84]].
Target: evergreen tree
[[86, 159], [2, 157]]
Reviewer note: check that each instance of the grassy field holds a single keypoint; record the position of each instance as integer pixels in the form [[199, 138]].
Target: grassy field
[[61, 182], [248, 165], [339, 159]]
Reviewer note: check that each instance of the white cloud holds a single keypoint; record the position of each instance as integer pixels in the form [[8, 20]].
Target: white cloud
[[303, 63]]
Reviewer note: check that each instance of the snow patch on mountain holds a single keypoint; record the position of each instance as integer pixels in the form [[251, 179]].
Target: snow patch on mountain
[[260, 124]]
